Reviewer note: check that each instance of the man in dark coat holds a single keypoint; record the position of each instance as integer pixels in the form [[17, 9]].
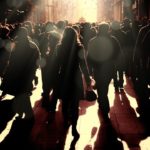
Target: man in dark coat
[[102, 53], [22, 66]]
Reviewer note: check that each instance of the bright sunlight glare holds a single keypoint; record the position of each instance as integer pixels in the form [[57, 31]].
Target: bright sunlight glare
[[74, 10], [88, 10]]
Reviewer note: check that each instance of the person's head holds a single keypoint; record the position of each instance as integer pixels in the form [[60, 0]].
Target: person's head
[[77, 28], [115, 25], [103, 28], [49, 26], [29, 27], [22, 33], [70, 36], [61, 25]]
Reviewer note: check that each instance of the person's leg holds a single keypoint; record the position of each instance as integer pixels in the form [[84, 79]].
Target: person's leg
[[142, 93], [103, 100], [55, 95], [53, 101], [102, 85], [74, 110], [46, 89], [121, 80], [115, 79], [65, 112]]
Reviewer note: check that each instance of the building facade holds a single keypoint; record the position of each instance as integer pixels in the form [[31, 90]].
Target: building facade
[[117, 10], [96, 10], [131, 9]]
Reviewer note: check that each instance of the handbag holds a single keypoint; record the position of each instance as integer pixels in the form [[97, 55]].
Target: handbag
[[88, 92], [90, 95]]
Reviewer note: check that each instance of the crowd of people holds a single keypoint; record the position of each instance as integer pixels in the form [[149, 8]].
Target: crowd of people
[[65, 53]]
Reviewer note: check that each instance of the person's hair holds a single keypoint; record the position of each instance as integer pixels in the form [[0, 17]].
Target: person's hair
[[70, 36], [22, 33], [61, 24], [103, 28]]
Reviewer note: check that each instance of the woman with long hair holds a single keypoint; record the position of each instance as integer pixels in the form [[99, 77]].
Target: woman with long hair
[[71, 59]]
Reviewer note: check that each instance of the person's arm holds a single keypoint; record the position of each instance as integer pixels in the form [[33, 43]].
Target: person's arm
[[84, 66]]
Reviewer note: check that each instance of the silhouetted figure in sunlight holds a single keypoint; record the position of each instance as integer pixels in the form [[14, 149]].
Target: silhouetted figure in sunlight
[[22, 66], [129, 45], [87, 32], [103, 51], [5, 48], [120, 63], [71, 55], [50, 73], [141, 78], [44, 38]]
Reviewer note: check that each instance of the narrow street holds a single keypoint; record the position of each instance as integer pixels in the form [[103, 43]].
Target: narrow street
[[126, 131]]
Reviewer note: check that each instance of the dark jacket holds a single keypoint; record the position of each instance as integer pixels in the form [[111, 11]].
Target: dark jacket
[[21, 69]]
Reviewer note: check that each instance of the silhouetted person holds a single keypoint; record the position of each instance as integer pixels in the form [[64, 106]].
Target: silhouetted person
[[22, 66], [129, 45], [50, 73], [71, 55], [142, 69], [5, 49], [120, 63], [102, 54], [87, 32], [61, 26]]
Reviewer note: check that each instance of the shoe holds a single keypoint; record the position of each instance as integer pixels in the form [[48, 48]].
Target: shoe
[[116, 89]]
